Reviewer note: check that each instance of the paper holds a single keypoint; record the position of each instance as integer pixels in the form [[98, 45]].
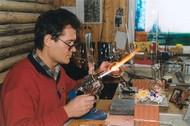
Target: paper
[[80, 10], [120, 39], [89, 11], [71, 9]]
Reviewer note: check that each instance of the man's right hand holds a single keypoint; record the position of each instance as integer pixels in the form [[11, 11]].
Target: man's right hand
[[79, 105]]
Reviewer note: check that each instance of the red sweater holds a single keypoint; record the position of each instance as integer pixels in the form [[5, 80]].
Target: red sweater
[[29, 97]]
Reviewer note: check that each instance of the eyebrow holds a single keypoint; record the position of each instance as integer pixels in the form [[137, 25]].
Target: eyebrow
[[71, 40]]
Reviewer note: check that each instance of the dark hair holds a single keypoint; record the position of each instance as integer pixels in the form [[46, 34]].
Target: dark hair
[[53, 22]]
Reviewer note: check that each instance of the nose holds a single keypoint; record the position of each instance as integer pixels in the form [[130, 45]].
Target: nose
[[73, 49]]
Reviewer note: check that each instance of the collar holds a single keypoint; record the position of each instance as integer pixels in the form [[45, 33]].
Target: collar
[[42, 67]]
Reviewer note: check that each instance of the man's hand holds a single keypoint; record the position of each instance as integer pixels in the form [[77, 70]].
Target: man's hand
[[79, 105], [91, 67], [103, 67]]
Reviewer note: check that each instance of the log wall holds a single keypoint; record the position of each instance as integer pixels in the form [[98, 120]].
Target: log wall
[[17, 21]]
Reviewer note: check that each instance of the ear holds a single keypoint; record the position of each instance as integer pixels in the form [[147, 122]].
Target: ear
[[48, 40]]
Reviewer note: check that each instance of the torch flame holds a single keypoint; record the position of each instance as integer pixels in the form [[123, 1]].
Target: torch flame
[[119, 64], [127, 58]]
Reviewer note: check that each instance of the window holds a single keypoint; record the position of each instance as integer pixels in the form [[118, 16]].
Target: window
[[165, 21]]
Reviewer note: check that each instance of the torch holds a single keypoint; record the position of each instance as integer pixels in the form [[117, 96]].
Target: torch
[[93, 85]]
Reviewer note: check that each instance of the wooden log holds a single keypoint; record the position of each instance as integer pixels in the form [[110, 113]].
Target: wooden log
[[37, 1], [68, 2], [57, 3], [46, 1], [10, 29], [17, 17], [24, 6], [14, 50], [9, 62], [24, 0], [7, 41], [2, 76]]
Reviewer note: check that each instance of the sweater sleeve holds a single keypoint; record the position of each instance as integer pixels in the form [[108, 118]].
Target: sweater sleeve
[[19, 110]]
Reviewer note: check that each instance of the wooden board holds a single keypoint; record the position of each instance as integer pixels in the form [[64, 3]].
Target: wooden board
[[104, 31]]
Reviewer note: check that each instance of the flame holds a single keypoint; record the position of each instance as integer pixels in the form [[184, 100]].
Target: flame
[[119, 64], [127, 58]]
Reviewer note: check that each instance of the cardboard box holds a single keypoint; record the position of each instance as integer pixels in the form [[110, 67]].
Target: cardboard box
[[176, 50], [141, 36]]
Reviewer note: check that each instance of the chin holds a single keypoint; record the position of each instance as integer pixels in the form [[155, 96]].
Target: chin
[[64, 60], [67, 61]]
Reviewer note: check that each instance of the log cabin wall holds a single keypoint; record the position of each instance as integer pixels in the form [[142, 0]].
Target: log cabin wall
[[17, 21]]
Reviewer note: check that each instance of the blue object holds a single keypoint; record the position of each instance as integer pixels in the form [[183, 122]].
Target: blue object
[[72, 94], [93, 114]]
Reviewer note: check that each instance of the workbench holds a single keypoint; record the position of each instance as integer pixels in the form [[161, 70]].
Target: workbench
[[111, 119], [170, 115], [123, 120]]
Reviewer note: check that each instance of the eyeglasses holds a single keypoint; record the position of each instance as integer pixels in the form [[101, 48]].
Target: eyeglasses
[[70, 46]]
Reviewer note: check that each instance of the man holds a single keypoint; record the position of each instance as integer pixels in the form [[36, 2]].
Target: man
[[35, 91]]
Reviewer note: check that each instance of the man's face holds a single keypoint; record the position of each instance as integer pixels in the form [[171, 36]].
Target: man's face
[[61, 51]]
